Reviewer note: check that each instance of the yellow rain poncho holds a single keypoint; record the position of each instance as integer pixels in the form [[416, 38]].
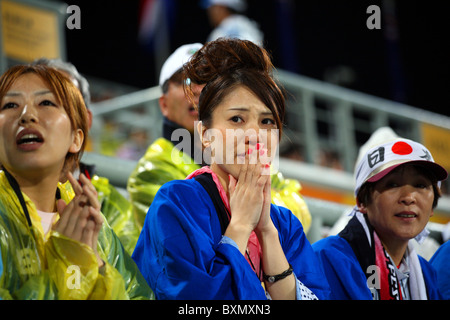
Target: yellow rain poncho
[[52, 266], [118, 212], [286, 193], [163, 162]]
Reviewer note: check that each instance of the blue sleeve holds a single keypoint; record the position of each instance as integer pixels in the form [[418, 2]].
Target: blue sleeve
[[301, 291], [439, 262], [227, 240], [346, 278], [180, 254], [299, 253]]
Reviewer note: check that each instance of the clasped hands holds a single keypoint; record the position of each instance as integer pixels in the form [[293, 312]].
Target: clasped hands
[[250, 198], [80, 219]]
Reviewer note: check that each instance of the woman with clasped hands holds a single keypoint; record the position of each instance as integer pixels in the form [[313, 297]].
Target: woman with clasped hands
[[216, 234], [53, 242]]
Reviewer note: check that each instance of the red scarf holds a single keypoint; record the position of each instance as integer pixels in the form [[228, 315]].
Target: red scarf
[[389, 283], [254, 251]]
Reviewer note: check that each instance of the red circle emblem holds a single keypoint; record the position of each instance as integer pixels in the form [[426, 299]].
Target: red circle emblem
[[401, 148]]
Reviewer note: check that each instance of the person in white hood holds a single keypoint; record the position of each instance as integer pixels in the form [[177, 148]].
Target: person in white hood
[[227, 17]]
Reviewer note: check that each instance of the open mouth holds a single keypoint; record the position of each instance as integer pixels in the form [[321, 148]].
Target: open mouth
[[29, 138]]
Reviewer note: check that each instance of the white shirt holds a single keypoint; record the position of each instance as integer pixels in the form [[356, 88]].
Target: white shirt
[[47, 219], [238, 26]]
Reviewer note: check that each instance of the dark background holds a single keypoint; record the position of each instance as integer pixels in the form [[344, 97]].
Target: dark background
[[317, 39]]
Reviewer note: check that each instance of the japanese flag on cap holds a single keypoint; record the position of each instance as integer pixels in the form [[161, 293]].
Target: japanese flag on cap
[[176, 60], [381, 159]]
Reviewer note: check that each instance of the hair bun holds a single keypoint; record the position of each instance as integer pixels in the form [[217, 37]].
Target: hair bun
[[224, 56]]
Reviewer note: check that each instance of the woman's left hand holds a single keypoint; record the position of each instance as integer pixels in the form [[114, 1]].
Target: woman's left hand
[[265, 222], [90, 229]]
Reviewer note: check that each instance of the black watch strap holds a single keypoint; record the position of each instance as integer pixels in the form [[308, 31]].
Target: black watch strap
[[280, 276]]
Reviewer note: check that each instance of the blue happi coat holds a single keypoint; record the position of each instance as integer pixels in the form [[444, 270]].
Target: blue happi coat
[[440, 262], [181, 255], [344, 271]]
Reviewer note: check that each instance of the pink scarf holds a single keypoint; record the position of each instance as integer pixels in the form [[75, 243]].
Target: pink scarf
[[254, 249]]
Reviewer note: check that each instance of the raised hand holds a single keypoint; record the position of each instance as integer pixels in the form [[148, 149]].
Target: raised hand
[[248, 197], [81, 219], [265, 222]]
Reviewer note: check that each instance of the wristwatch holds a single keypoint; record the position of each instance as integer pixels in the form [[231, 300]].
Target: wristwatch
[[277, 277]]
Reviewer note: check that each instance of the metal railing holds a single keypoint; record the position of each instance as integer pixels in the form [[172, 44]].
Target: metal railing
[[134, 110], [321, 117]]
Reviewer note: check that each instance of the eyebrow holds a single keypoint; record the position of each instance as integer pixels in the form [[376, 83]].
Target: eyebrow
[[17, 94], [238, 109], [247, 110]]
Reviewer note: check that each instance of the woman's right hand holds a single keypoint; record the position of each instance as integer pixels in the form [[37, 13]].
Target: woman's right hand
[[247, 198]]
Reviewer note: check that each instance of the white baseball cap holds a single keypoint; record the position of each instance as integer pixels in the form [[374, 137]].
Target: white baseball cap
[[378, 160], [176, 60]]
